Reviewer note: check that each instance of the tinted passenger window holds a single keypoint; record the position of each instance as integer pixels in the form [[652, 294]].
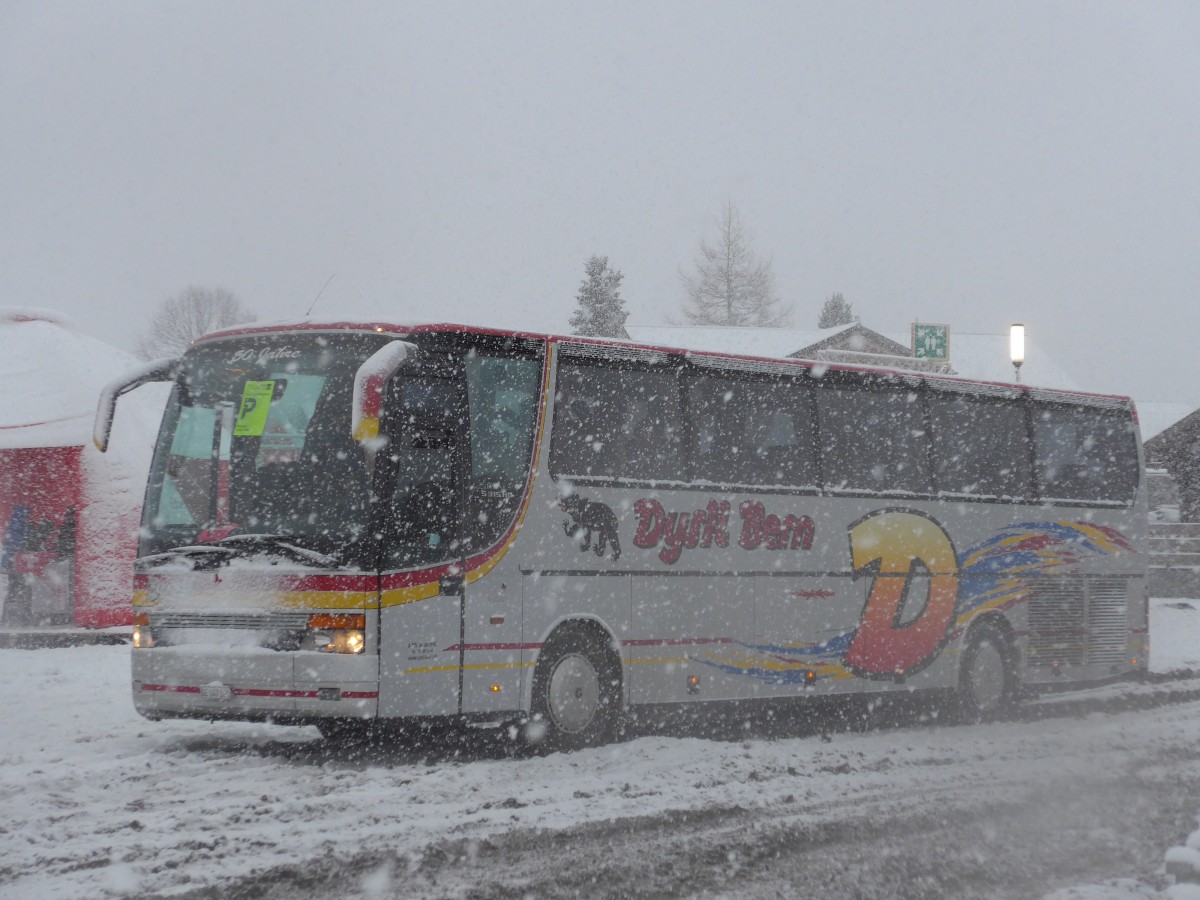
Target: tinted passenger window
[[980, 447], [872, 440], [616, 424], [502, 394], [1085, 454], [422, 525], [751, 432]]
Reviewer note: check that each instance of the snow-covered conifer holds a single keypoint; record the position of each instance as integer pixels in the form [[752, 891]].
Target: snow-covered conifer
[[836, 311], [601, 309]]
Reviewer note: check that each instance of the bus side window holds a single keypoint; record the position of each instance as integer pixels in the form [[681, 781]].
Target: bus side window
[[873, 439], [623, 424], [1084, 454], [980, 446], [751, 432], [502, 393], [649, 446], [716, 423], [589, 413], [777, 435]]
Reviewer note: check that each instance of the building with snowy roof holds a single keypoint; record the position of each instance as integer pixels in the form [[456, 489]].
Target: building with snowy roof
[[68, 514], [1177, 450]]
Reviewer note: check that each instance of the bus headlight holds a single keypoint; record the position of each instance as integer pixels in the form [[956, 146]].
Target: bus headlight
[[340, 633]]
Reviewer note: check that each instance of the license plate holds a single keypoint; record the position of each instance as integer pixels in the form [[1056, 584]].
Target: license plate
[[216, 692]]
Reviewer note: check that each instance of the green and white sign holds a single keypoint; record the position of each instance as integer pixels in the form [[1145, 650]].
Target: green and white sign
[[252, 413], [930, 341]]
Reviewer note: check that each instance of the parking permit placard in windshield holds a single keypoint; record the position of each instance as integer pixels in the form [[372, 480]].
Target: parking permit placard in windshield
[[252, 413]]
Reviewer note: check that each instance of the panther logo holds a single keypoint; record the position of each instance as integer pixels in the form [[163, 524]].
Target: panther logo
[[588, 516]]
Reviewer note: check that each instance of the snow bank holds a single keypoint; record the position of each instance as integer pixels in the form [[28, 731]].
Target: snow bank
[[100, 803]]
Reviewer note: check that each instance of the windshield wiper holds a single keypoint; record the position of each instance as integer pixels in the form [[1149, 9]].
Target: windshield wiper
[[200, 553], [243, 545], [278, 544]]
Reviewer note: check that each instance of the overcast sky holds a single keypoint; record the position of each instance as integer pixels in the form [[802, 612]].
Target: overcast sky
[[968, 163]]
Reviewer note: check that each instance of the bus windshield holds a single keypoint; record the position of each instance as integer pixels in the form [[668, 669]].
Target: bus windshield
[[256, 441]]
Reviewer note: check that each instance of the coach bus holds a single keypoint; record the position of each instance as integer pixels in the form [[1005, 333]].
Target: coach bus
[[360, 524]]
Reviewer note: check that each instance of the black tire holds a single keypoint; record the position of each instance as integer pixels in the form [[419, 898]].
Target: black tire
[[987, 679], [576, 694]]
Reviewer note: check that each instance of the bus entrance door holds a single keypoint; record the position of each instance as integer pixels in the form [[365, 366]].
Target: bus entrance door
[[421, 615]]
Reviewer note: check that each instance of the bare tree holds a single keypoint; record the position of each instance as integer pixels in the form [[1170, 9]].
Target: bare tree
[[183, 318], [731, 286], [836, 311]]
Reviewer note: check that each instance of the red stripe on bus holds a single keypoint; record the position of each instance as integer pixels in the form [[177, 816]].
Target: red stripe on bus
[[416, 579], [493, 647], [647, 642], [357, 583], [260, 692]]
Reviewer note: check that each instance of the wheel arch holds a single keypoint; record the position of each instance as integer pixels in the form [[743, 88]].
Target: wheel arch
[[996, 625], [995, 620], [589, 625]]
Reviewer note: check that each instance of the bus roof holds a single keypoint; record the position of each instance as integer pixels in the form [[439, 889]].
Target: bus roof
[[763, 363]]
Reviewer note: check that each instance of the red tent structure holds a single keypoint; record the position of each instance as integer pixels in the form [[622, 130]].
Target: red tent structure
[[68, 514]]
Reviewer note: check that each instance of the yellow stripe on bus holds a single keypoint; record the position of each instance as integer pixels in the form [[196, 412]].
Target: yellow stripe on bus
[[425, 670], [659, 661], [328, 599], [300, 599], [400, 596]]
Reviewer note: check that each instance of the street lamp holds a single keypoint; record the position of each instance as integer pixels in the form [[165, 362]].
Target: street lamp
[[1016, 347]]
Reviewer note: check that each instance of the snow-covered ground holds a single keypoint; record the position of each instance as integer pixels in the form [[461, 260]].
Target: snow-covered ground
[[96, 802]]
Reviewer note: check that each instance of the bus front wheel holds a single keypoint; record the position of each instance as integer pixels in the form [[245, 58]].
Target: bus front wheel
[[987, 678], [576, 694]]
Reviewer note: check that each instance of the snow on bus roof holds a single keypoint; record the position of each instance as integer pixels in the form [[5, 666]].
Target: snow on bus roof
[[768, 346], [372, 324]]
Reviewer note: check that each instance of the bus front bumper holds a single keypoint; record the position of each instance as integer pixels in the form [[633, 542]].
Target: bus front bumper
[[254, 683]]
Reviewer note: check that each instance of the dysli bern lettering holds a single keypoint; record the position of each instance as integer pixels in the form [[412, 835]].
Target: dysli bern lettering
[[708, 527]]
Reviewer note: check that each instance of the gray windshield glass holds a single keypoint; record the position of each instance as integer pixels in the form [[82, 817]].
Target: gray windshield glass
[[256, 440]]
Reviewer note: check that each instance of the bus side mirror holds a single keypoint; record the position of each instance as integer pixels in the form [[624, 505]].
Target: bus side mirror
[[106, 407], [369, 383]]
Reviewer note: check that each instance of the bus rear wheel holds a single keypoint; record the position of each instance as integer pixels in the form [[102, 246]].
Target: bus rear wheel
[[987, 677], [576, 694]]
